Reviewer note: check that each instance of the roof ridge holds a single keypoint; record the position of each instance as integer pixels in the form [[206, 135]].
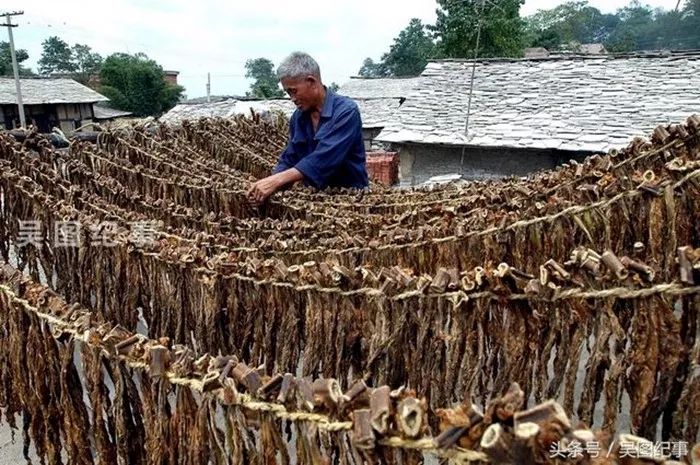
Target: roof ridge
[[578, 56], [391, 78]]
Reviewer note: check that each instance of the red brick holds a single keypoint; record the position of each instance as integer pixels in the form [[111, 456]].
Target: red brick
[[383, 167]]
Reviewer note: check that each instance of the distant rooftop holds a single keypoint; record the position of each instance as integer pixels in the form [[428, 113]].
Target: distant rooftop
[[103, 112], [371, 88], [580, 103], [38, 91], [225, 109], [377, 98]]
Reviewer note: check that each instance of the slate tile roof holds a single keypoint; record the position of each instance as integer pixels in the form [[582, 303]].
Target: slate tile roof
[[104, 112], [377, 98], [377, 113], [226, 108], [377, 88], [37, 91], [567, 103]]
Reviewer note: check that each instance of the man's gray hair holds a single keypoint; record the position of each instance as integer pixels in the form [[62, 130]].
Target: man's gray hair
[[298, 65]]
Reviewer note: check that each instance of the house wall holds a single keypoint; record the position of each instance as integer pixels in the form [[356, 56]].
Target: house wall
[[71, 116], [368, 135], [42, 116], [171, 77], [67, 116], [420, 162]]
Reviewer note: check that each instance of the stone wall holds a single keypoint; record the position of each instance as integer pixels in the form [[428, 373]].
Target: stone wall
[[420, 162]]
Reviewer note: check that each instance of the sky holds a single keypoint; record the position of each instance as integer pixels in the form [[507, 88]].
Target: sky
[[218, 36]]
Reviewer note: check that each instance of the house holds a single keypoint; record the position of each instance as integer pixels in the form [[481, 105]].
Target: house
[[226, 108], [105, 113], [528, 115], [171, 76], [378, 100], [48, 103], [590, 49], [536, 52]]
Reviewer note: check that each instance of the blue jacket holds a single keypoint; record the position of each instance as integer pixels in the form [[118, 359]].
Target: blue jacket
[[334, 156]]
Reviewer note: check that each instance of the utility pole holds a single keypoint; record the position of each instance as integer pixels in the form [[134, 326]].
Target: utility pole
[[15, 68], [471, 79], [208, 87], [476, 55]]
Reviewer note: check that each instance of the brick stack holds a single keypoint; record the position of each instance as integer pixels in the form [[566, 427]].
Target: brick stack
[[383, 167]]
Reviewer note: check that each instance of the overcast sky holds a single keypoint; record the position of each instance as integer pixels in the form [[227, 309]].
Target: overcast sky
[[217, 36]]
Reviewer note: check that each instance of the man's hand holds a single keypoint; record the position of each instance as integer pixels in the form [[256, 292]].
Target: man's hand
[[262, 189], [265, 187]]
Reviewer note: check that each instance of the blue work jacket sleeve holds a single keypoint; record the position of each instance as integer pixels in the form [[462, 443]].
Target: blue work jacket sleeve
[[333, 147]]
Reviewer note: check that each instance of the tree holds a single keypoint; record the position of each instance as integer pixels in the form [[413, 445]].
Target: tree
[[334, 86], [410, 51], [634, 31], [6, 60], [573, 21], [458, 23], [690, 25], [56, 57], [634, 27], [137, 84], [370, 69], [265, 84], [87, 63]]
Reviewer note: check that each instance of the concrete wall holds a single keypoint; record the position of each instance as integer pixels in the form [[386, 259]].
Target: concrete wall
[[67, 116], [420, 162], [171, 77], [368, 135]]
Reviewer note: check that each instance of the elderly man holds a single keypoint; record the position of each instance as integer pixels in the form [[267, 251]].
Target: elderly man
[[325, 147]]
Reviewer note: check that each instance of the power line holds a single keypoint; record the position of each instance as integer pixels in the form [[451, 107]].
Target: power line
[[471, 80], [15, 67], [476, 54]]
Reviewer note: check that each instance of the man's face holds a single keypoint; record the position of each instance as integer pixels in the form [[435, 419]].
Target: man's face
[[301, 91]]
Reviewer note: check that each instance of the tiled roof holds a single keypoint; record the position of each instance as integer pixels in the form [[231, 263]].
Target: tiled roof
[[104, 112], [225, 109], [567, 103], [43, 91], [377, 113], [373, 88], [378, 98], [536, 52]]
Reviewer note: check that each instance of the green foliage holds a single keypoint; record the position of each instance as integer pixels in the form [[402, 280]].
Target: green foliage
[[87, 63], [690, 26], [56, 57], [79, 61], [370, 69], [410, 51], [171, 95], [265, 84], [453, 36], [137, 84], [634, 27], [6, 60], [569, 22], [116, 97], [458, 23], [334, 86], [633, 31]]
